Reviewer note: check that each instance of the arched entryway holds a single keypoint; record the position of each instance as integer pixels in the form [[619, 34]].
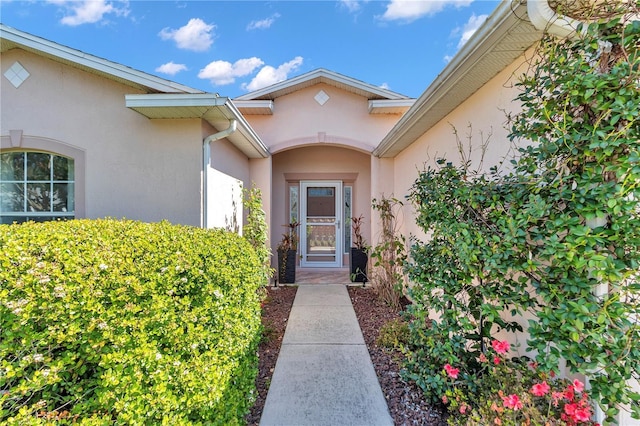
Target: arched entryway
[[322, 187]]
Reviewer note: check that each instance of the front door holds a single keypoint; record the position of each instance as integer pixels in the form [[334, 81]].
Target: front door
[[320, 227]]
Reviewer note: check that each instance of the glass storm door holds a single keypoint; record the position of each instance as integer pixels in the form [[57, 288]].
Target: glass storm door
[[320, 228]]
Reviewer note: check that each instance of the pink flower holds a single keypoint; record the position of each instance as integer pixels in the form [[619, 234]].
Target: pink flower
[[582, 414], [482, 358], [463, 408], [578, 385], [496, 360], [501, 347], [569, 393], [540, 389], [556, 397], [570, 409], [451, 372], [445, 399], [512, 401]]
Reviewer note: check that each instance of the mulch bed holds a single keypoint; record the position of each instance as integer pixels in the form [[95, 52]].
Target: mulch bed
[[406, 403], [275, 313]]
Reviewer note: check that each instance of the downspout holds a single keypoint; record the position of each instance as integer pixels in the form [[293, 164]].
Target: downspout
[[206, 158], [544, 18]]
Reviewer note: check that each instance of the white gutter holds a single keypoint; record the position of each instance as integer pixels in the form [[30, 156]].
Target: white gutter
[[206, 158], [544, 18]]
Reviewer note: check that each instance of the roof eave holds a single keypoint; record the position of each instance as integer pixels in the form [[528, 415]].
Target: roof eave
[[390, 106], [413, 124], [320, 75], [80, 59], [259, 107], [209, 107]]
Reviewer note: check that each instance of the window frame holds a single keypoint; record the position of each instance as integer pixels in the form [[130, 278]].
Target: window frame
[[17, 142]]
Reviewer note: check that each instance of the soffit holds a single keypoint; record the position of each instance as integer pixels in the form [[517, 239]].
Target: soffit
[[11, 38], [217, 111], [390, 106], [260, 107], [503, 38], [321, 76]]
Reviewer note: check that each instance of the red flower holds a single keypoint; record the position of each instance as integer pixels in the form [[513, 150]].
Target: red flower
[[451, 372], [501, 347], [582, 414], [496, 360], [540, 389], [569, 393], [512, 401], [578, 385], [570, 409]]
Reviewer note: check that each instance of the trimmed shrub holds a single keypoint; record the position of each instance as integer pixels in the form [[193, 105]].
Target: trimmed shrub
[[107, 321]]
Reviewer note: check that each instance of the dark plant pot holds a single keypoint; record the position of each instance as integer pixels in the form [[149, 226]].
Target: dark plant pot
[[287, 266], [358, 260]]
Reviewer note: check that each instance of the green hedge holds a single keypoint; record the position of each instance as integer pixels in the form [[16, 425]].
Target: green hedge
[[107, 321]]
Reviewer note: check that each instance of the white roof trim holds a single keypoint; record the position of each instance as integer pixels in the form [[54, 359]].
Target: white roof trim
[[271, 92], [206, 106], [259, 107], [49, 48], [421, 116], [390, 106]]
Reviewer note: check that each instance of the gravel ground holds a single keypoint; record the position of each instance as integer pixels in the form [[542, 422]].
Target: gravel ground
[[406, 405]]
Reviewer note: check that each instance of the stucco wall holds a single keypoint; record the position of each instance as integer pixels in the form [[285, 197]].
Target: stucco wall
[[135, 167], [483, 115], [228, 174], [313, 163], [343, 119]]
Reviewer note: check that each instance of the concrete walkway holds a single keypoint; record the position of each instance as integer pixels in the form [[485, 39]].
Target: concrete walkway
[[324, 375]]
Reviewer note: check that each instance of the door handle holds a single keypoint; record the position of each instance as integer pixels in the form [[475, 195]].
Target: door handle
[[338, 223]]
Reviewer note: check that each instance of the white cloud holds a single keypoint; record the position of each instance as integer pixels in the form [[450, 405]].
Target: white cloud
[[223, 72], [264, 23], [196, 35], [384, 86], [89, 11], [171, 68], [269, 75], [351, 5], [410, 10], [471, 27]]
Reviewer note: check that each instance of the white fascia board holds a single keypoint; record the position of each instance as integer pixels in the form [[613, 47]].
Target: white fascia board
[[461, 63], [84, 59], [389, 103], [322, 73], [258, 105], [246, 129], [196, 104], [175, 100]]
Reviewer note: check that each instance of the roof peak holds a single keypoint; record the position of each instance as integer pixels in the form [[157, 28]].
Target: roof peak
[[321, 75], [12, 37]]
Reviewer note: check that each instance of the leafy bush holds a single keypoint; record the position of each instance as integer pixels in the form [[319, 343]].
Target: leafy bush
[[393, 334], [558, 237], [512, 392], [119, 321]]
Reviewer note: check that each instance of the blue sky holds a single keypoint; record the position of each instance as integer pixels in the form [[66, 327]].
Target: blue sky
[[233, 47]]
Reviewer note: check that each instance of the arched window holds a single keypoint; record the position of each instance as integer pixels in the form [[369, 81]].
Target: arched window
[[36, 186]]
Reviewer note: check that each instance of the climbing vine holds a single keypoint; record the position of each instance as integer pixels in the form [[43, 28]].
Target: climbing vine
[[389, 254], [256, 230], [557, 237]]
